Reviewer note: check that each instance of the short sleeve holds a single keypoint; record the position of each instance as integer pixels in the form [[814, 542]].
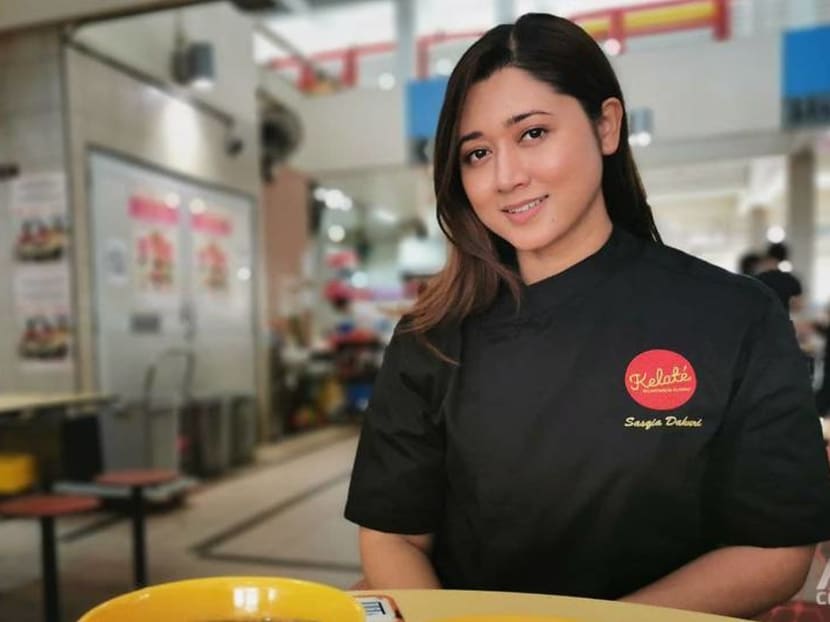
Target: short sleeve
[[773, 477], [397, 483]]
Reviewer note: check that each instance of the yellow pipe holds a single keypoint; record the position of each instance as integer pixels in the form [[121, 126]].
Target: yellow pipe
[[665, 16], [596, 26]]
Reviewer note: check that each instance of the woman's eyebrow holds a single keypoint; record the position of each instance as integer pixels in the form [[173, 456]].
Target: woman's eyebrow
[[516, 118], [469, 136]]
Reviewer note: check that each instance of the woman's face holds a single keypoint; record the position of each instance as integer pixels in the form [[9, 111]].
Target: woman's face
[[531, 166]]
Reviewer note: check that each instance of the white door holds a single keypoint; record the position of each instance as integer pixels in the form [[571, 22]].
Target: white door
[[173, 286]]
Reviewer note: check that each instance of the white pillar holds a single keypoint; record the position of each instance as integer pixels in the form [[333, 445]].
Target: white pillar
[[504, 11], [758, 217], [405, 30], [801, 214]]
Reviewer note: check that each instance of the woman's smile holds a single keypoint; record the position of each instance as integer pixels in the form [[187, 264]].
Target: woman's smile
[[520, 213]]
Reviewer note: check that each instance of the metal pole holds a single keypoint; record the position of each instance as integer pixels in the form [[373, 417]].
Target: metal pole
[[49, 561], [139, 558]]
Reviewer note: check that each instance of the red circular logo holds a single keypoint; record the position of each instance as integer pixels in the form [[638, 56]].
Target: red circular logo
[[660, 380]]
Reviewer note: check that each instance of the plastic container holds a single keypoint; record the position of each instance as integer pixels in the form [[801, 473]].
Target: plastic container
[[243, 415], [207, 428], [17, 473]]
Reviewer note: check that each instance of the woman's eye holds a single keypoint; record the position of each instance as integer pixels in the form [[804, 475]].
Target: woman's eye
[[535, 132], [475, 155]]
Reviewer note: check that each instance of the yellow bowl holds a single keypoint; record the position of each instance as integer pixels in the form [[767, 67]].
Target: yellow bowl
[[231, 599], [503, 618]]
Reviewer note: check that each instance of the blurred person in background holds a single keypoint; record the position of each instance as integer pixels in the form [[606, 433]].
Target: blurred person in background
[[572, 407], [748, 263], [790, 293], [787, 288], [768, 269], [776, 253]]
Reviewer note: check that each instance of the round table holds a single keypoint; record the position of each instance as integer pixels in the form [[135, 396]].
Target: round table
[[136, 480], [429, 605], [46, 508]]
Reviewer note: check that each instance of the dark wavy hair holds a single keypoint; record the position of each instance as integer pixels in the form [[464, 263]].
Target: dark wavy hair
[[555, 51]]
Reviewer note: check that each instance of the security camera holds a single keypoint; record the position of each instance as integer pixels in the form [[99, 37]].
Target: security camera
[[233, 144]]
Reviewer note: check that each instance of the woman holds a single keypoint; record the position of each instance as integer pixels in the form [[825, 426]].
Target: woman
[[572, 407]]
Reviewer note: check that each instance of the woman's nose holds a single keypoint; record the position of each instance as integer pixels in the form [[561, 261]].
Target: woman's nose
[[510, 170]]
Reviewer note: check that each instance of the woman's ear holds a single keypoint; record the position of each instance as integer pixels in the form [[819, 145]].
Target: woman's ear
[[609, 124]]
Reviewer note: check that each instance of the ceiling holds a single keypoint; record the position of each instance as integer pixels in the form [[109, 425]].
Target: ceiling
[[21, 13], [706, 194], [313, 26]]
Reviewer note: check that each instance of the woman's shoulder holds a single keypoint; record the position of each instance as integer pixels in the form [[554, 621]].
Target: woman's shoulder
[[426, 362], [701, 279], [433, 346]]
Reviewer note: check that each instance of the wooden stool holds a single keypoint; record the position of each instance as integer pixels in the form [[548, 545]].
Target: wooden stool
[[46, 507], [137, 480]]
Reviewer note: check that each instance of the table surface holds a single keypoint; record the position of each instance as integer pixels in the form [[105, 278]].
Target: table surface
[[137, 477], [35, 506], [430, 605], [13, 402]]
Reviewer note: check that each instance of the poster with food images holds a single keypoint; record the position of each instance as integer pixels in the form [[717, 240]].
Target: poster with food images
[[212, 229], [39, 220], [155, 246], [43, 317], [40, 276]]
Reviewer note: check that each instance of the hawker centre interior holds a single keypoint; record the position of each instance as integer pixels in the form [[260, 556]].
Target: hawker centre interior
[[215, 213]]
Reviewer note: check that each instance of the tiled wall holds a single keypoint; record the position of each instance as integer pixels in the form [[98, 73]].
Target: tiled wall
[[31, 136]]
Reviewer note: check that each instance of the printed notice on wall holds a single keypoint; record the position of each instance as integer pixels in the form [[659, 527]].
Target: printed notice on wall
[[41, 289], [155, 235], [212, 229]]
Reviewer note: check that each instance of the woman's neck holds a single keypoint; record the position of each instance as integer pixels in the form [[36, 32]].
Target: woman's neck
[[582, 240]]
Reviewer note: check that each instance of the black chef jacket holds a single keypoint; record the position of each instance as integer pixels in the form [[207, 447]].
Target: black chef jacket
[[642, 408]]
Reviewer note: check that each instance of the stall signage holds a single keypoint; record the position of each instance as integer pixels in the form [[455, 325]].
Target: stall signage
[[806, 80], [424, 99]]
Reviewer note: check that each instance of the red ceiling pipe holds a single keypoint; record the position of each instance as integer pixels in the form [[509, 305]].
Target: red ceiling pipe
[[722, 20], [617, 29], [348, 75]]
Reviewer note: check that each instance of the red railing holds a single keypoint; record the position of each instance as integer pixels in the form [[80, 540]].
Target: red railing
[[624, 23], [620, 24]]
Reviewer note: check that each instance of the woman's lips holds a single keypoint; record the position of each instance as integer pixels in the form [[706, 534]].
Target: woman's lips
[[526, 212]]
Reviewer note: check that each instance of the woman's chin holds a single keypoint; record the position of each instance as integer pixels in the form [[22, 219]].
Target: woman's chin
[[530, 244]]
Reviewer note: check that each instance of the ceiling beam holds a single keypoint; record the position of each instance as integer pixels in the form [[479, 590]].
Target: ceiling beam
[[261, 28], [300, 7], [19, 14]]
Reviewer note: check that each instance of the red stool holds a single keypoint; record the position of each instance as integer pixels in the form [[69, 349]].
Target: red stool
[[797, 611], [46, 507], [137, 480]]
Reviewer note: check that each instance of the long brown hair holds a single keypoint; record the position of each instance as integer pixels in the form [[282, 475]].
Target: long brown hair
[[561, 54]]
